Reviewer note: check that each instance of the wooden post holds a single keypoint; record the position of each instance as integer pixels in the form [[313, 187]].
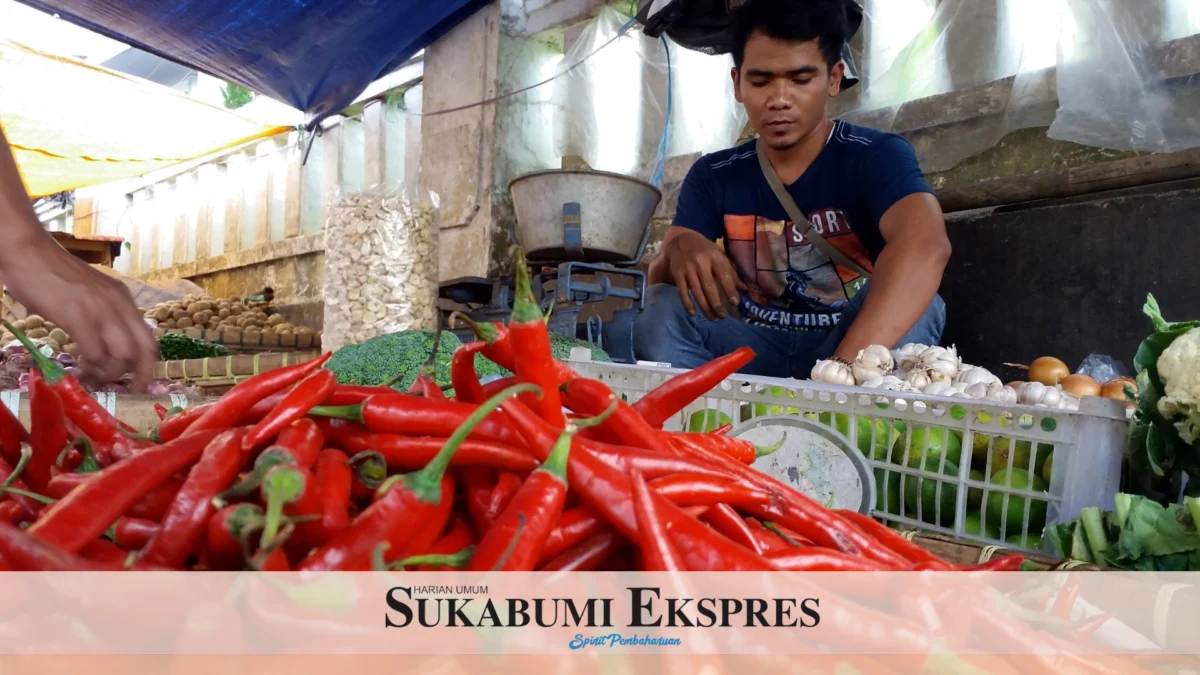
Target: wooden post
[[235, 177], [206, 189], [295, 186], [262, 184], [85, 215]]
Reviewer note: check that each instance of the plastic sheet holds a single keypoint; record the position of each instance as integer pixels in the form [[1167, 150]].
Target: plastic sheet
[[381, 265], [1096, 72], [612, 103]]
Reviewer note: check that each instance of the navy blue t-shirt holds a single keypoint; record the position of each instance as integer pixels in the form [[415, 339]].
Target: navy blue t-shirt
[[792, 285]]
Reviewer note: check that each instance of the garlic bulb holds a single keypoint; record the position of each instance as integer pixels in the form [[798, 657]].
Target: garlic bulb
[[1000, 393], [832, 372], [1069, 401], [943, 360], [938, 389], [1036, 393], [919, 378], [872, 362], [978, 390], [885, 382], [960, 387], [975, 375], [906, 356]]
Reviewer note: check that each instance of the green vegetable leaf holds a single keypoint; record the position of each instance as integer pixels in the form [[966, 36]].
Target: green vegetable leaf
[[1151, 309], [1060, 536], [1156, 450], [1152, 530]]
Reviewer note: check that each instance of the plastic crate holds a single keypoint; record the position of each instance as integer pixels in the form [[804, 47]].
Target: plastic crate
[[1087, 447]]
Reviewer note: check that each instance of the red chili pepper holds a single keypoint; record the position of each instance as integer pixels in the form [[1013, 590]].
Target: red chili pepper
[[88, 510], [229, 409], [723, 519], [533, 360], [24, 552], [573, 526], [48, 432], [1064, 602], [432, 529], [652, 463], [514, 541], [413, 452], [719, 431], [818, 559], [1090, 625], [333, 481], [506, 488], [12, 435], [175, 425], [404, 503], [424, 385], [695, 490], [161, 411], [610, 493], [29, 507], [893, 540], [658, 555], [183, 527], [419, 416], [292, 492], [499, 349], [736, 448], [587, 555], [771, 541], [12, 513], [462, 373], [368, 470], [677, 393], [800, 513], [478, 482], [495, 386], [134, 533], [459, 536], [225, 533], [307, 394], [105, 552], [298, 445], [82, 409], [589, 396]]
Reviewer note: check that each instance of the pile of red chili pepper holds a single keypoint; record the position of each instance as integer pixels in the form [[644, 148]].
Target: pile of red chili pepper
[[544, 470]]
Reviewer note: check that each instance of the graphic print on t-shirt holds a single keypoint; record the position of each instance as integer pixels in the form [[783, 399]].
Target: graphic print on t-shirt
[[792, 284]]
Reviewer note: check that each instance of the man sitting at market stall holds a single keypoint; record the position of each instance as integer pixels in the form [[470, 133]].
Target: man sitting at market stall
[[735, 269]]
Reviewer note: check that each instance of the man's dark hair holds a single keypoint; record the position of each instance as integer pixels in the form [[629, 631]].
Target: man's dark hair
[[794, 21]]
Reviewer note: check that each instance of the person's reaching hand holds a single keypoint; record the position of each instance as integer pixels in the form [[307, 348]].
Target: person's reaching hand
[[697, 265]]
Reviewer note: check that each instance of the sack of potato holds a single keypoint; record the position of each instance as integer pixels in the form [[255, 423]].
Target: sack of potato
[[206, 312]]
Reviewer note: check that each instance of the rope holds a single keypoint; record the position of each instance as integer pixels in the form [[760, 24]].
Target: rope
[[986, 553], [620, 33]]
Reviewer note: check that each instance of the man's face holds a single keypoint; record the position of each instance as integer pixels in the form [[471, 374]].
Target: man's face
[[784, 87]]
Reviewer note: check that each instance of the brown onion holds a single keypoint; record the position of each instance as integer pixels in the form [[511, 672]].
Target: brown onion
[[1080, 385], [1048, 370], [1115, 389], [1016, 384]]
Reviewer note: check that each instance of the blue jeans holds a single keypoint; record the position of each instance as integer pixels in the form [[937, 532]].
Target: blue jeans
[[665, 332]]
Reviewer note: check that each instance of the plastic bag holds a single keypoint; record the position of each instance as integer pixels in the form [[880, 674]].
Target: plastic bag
[[381, 264], [1102, 368]]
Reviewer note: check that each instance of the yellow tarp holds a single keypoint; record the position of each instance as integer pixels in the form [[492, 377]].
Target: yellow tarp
[[73, 124]]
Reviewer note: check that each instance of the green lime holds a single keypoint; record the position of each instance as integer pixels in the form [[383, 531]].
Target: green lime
[[873, 438], [1021, 480], [1046, 468], [763, 409], [973, 525], [1020, 452], [975, 495], [935, 503], [939, 441], [887, 491], [1025, 541], [704, 421]]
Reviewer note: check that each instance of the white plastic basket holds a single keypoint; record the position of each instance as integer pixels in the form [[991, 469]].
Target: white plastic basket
[[1087, 447]]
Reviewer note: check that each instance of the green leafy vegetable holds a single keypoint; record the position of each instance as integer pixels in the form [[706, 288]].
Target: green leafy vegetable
[[174, 346], [1140, 534]]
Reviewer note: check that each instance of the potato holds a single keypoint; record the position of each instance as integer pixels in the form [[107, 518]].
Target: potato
[[303, 330], [169, 323], [49, 326], [214, 324], [202, 316], [237, 310], [284, 326], [72, 349], [251, 330], [33, 321], [60, 336], [180, 314], [275, 320], [19, 324], [37, 333], [185, 322], [160, 315], [54, 345], [224, 313]]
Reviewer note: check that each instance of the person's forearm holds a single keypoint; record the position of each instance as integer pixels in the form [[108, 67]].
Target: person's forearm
[[18, 222], [659, 271], [906, 279]]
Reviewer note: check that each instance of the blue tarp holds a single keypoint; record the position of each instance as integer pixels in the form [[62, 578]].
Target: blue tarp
[[315, 55]]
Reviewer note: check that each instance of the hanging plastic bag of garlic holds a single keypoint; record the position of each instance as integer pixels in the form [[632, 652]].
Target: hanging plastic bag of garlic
[[381, 264]]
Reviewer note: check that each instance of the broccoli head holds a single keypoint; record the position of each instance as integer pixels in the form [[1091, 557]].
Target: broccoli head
[[561, 345], [402, 354]]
